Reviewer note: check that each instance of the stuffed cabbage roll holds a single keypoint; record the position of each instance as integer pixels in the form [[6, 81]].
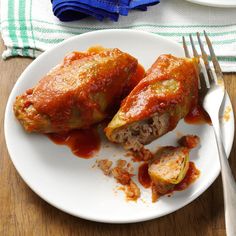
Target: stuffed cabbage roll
[[156, 104], [77, 93], [168, 167]]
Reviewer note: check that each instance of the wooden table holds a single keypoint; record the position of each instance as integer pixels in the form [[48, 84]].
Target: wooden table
[[22, 212]]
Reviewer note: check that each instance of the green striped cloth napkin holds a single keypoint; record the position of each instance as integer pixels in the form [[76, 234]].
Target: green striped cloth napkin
[[29, 27]]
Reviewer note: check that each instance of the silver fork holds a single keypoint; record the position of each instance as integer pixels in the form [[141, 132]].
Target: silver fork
[[212, 92]]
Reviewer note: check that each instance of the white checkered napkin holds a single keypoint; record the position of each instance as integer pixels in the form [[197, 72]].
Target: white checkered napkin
[[29, 27]]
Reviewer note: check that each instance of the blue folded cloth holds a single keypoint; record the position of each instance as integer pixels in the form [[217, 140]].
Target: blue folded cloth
[[69, 10]]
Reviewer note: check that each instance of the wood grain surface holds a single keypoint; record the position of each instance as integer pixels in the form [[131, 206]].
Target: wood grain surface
[[22, 212]]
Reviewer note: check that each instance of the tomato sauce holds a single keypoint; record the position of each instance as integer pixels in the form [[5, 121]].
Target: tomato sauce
[[83, 143], [137, 76], [143, 101], [197, 116], [143, 176], [134, 79]]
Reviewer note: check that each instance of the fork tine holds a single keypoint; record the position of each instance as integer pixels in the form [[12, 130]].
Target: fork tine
[[205, 59], [202, 73], [185, 47], [195, 53], [213, 57]]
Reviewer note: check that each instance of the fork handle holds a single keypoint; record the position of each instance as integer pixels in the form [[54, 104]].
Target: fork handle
[[229, 185]]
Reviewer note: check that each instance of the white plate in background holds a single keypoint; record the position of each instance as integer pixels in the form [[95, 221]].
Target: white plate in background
[[215, 3]]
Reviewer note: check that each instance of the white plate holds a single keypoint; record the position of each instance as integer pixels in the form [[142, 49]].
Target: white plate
[[215, 3], [70, 183]]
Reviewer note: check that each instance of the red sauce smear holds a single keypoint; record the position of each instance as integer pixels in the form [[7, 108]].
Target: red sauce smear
[[83, 143], [191, 175], [134, 79], [198, 116], [143, 176], [137, 76]]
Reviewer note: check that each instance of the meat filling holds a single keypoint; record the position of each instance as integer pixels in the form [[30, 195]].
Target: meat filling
[[136, 135]]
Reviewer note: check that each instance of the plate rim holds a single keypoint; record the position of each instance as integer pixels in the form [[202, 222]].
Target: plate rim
[[219, 5], [94, 218]]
